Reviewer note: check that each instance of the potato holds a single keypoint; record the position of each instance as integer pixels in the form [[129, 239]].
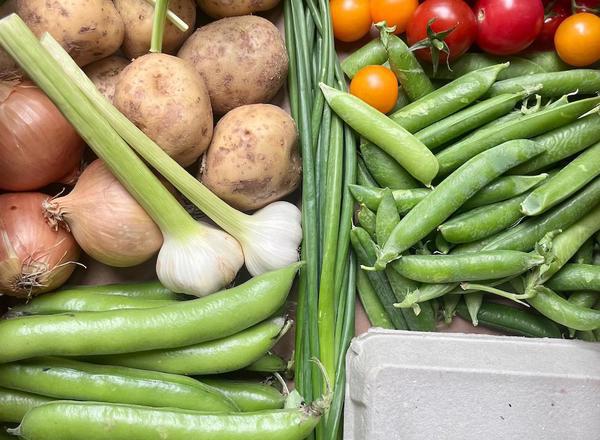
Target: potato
[[253, 158], [167, 99], [105, 73], [231, 8], [242, 59], [88, 29], [137, 16]]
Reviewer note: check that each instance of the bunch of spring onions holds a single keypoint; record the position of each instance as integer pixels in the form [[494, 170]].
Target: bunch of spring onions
[[325, 314]]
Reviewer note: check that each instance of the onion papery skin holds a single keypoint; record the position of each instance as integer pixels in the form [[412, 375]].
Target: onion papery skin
[[107, 222], [34, 258], [38, 146]]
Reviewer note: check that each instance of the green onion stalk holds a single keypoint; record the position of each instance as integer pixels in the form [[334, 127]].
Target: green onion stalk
[[195, 258], [159, 19]]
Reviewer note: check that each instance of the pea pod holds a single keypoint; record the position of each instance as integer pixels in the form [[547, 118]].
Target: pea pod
[[269, 363], [583, 81], [387, 217], [547, 60], [71, 380], [367, 220], [474, 301], [465, 267], [375, 311], [15, 404], [528, 126], [568, 181], [512, 320], [383, 132], [406, 199], [504, 188], [450, 303], [584, 298], [248, 396], [219, 356], [74, 420], [467, 120], [574, 277], [152, 290], [363, 176], [450, 194], [447, 99], [189, 322], [385, 170], [560, 310], [372, 53]]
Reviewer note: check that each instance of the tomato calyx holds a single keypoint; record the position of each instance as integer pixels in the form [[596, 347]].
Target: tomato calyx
[[579, 7], [436, 43]]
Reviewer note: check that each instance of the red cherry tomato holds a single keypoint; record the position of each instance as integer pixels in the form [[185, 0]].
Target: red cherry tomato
[[448, 14], [377, 86], [506, 27], [552, 19]]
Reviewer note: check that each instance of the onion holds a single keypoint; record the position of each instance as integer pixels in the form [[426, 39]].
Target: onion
[[33, 258], [105, 219], [38, 146]]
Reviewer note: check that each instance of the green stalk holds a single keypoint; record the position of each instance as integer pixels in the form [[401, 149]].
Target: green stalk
[[173, 18], [290, 42], [136, 177], [159, 19]]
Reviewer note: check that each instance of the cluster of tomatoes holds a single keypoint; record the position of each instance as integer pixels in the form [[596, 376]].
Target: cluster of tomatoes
[[499, 27]]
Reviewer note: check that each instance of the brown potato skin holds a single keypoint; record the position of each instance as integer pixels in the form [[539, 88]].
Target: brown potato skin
[[253, 159], [137, 16], [242, 59], [88, 29], [232, 8], [166, 98], [105, 73]]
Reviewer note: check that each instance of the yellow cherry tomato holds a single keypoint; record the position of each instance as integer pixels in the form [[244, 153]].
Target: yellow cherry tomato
[[377, 86], [351, 19], [577, 39], [394, 12]]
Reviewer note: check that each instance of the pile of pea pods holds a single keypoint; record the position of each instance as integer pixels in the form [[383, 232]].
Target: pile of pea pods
[[138, 361], [481, 197]]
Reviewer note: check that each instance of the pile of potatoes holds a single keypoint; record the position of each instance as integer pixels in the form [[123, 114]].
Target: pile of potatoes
[[228, 69]]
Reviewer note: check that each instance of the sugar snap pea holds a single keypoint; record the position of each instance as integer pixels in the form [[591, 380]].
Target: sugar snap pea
[[547, 60], [383, 132], [15, 404], [504, 188], [568, 181], [450, 194], [248, 396], [441, 244], [449, 309], [528, 126], [583, 298], [71, 380], [152, 290], [375, 311], [465, 267], [372, 53], [560, 310], [447, 99], [387, 217], [573, 277], [213, 357], [474, 301], [363, 176], [385, 170], [512, 320], [406, 199], [583, 81], [122, 331], [367, 220], [75, 420], [269, 363]]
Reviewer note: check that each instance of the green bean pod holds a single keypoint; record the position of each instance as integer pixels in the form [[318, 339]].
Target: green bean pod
[[583, 81], [15, 404], [574, 277], [559, 310], [75, 420], [213, 357], [513, 321], [504, 188], [367, 220], [385, 170], [269, 363], [363, 176], [71, 380], [467, 120], [406, 199], [248, 396], [450, 194], [563, 142], [383, 132], [73, 301], [375, 311], [144, 290], [447, 99], [465, 267], [188, 322], [528, 126], [406, 67], [482, 222], [567, 182], [372, 53]]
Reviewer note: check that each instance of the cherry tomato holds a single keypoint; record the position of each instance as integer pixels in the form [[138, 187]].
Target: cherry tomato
[[448, 14], [506, 27], [351, 19], [377, 86], [394, 12], [577, 39], [553, 17]]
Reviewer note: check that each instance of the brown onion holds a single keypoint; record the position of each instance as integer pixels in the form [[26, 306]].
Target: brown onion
[[105, 219], [38, 146], [33, 257]]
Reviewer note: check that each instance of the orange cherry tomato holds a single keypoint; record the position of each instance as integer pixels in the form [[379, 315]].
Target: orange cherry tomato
[[394, 12], [351, 19], [377, 86], [577, 39]]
